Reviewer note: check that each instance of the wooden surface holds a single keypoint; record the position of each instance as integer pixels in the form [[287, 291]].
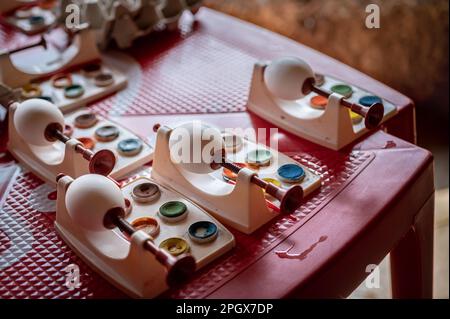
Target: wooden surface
[[412, 38]]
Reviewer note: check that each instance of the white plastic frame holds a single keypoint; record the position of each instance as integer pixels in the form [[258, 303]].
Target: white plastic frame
[[332, 127]]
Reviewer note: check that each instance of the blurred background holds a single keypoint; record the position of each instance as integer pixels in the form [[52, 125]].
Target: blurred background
[[409, 52]]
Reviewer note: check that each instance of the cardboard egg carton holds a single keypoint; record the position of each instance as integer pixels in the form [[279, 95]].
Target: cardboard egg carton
[[123, 21]]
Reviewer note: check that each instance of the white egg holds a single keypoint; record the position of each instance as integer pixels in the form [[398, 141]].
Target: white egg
[[33, 116], [90, 197], [195, 146], [285, 77]]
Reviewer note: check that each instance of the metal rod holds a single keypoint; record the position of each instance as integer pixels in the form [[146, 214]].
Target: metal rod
[[290, 199], [101, 162], [373, 114], [42, 43], [60, 136]]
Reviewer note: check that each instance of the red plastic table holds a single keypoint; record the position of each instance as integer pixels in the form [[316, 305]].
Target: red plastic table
[[376, 197]]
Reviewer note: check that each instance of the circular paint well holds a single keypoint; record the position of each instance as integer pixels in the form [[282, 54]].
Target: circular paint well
[[318, 102], [273, 181], [61, 80], [291, 173], [146, 192], [91, 70], [368, 100], [173, 211], [319, 79], [130, 147], [233, 142], [128, 207], [87, 142], [73, 91], [45, 97], [229, 175], [356, 118], [104, 79], [149, 225], [31, 90], [68, 130], [107, 133], [175, 246], [85, 120], [36, 20], [259, 157], [342, 89], [203, 232]]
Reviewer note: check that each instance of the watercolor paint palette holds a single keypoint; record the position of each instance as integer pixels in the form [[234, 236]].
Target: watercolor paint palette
[[70, 90], [174, 222], [270, 165], [97, 133]]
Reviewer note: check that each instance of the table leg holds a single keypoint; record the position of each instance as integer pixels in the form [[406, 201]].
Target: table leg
[[412, 258], [403, 125]]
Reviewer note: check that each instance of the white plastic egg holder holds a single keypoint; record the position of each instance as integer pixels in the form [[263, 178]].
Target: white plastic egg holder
[[124, 263], [241, 206], [48, 159], [82, 50], [332, 127]]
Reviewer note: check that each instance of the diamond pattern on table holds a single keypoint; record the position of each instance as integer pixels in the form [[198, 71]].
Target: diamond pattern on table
[[33, 261]]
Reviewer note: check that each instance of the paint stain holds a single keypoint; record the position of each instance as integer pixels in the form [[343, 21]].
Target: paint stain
[[390, 144], [52, 195], [302, 255]]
